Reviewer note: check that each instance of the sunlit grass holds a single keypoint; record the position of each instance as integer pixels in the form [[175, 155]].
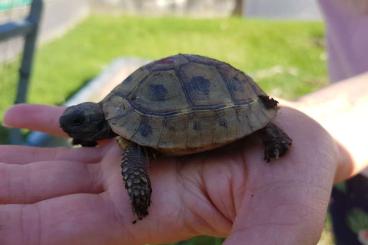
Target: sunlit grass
[[251, 45]]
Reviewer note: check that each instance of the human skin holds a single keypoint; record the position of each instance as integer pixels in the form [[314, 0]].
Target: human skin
[[341, 109], [76, 195]]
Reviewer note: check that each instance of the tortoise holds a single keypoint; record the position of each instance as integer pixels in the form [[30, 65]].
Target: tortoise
[[178, 105]]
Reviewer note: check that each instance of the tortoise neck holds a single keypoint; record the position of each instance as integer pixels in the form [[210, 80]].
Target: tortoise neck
[[104, 129], [105, 132]]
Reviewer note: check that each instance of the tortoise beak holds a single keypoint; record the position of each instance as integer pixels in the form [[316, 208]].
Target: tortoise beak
[[71, 118]]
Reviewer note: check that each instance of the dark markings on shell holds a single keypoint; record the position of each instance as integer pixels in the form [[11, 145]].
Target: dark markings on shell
[[222, 122], [197, 125], [227, 84], [199, 85], [236, 85], [220, 119], [199, 88], [144, 128], [158, 92], [166, 124], [247, 117]]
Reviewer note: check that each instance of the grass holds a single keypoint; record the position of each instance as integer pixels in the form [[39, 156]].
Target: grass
[[285, 57], [249, 45]]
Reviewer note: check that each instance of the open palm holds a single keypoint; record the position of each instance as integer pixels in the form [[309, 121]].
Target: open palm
[[76, 195]]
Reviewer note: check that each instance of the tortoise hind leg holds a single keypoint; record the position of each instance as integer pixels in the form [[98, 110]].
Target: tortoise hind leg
[[276, 142], [134, 165]]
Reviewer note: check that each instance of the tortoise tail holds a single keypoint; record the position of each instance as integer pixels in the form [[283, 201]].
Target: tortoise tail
[[268, 102]]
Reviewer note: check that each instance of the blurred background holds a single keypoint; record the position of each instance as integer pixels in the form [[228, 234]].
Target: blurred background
[[62, 52]]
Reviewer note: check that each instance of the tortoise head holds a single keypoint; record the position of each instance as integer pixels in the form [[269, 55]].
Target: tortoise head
[[85, 123]]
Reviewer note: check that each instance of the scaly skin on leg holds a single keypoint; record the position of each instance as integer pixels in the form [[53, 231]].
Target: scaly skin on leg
[[134, 165], [276, 142]]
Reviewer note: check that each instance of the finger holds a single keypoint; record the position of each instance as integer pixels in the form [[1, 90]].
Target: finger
[[72, 219], [34, 182], [283, 221], [26, 154], [35, 117]]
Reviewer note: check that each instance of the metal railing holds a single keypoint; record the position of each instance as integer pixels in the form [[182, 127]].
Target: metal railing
[[7, 5], [28, 29]]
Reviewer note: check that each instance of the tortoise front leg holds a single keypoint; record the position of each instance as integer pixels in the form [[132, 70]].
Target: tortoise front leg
[[134, 166], [276, 142]]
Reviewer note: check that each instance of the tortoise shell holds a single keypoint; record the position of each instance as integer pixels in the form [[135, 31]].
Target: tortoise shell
[[186, 103]]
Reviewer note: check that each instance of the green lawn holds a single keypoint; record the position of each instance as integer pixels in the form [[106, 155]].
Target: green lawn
[[249, 45], [287, 58]]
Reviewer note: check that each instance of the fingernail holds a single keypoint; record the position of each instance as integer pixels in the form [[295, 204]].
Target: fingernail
[[5, 125], [6, 116]]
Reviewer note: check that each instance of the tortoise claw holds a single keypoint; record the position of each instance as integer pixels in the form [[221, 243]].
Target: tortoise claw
[[276, 142], [275, 150]]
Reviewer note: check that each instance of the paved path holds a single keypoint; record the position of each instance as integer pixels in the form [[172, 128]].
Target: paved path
[[283, 9], [58, 16]]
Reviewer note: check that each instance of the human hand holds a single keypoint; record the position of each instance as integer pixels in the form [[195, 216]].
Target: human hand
[[76, 195]]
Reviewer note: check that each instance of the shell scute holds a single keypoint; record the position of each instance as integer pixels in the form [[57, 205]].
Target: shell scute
[[186, 103], [204, 85], [159, 93], [241, 87], [149, 130], [174, 133], [200, 128], [226, 125], [131, 83]]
